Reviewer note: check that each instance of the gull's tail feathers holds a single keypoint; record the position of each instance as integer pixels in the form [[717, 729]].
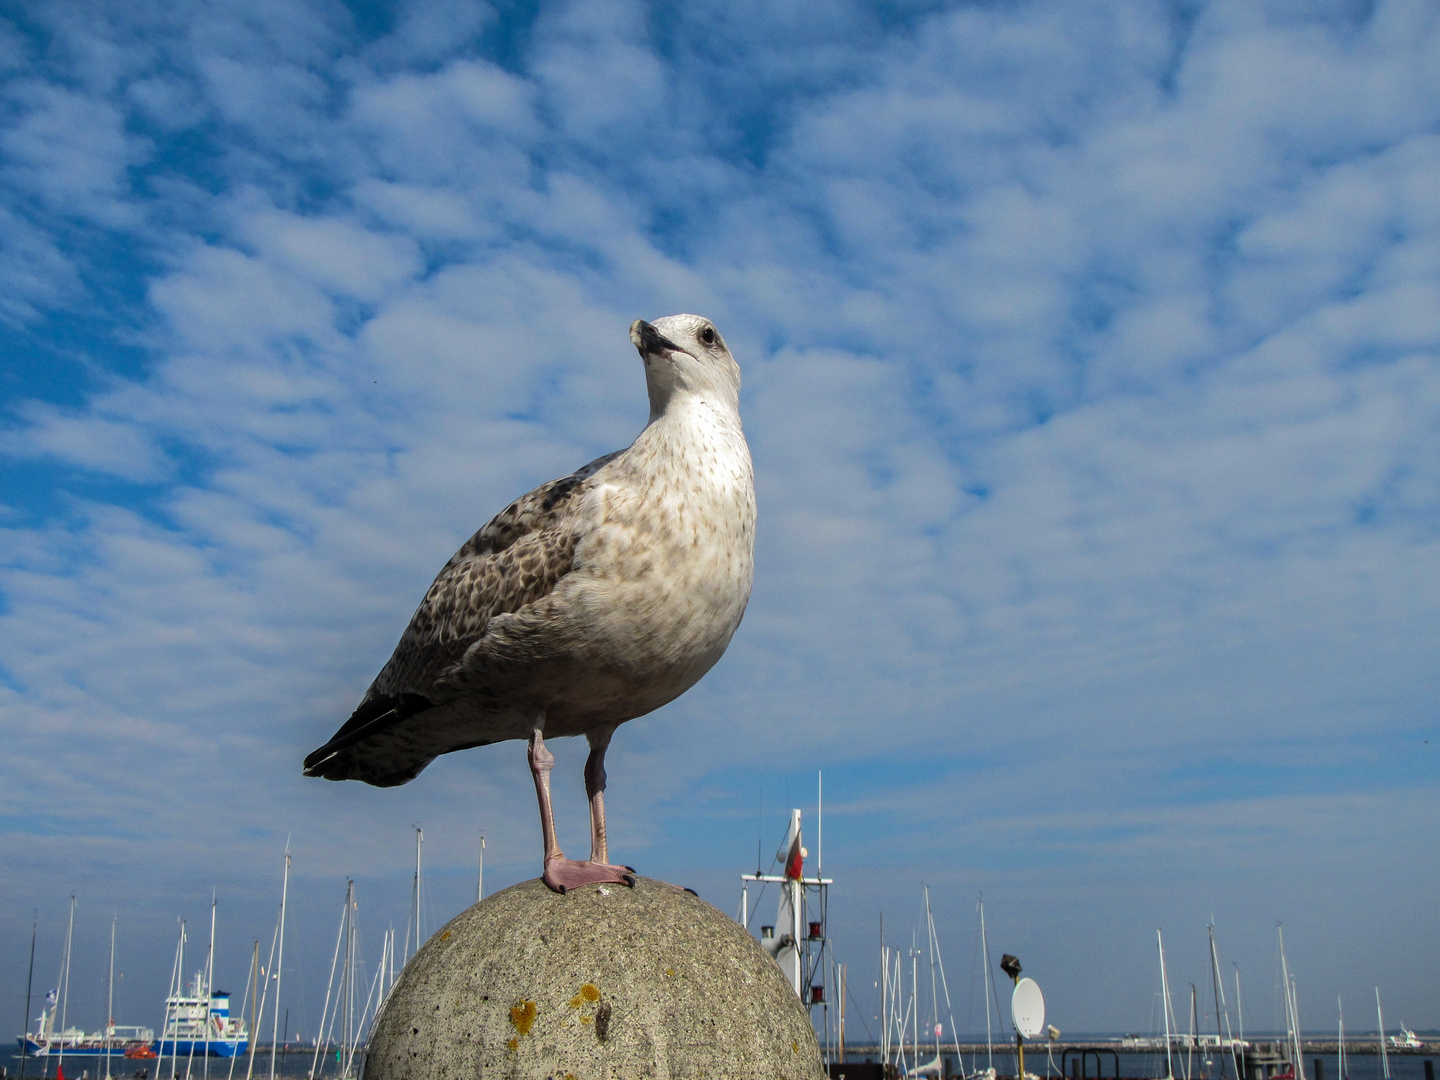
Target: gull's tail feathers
[[387, 742]]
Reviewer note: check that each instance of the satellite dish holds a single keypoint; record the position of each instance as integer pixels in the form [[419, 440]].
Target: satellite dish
[[1027, 1008]]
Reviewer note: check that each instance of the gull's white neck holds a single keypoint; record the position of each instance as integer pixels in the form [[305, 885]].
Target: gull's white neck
[[696, 421]]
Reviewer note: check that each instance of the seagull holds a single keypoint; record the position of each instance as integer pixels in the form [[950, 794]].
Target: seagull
[[594, 599]]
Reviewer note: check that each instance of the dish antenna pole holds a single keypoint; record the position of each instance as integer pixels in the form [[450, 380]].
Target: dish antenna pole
[[1027, 1010]]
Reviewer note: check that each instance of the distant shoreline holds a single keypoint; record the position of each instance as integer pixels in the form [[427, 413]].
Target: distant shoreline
[[1367, 1048]]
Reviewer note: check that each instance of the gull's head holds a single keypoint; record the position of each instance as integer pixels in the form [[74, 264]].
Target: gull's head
[[686, 354]]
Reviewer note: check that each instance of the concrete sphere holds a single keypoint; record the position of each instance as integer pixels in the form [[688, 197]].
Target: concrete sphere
[[602, 983]]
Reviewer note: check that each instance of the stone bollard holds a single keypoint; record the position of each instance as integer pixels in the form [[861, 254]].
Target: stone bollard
[[603, 983]]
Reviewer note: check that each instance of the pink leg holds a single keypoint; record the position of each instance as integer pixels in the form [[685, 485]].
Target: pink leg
[[561, 873], [595, 789], [541, 762]]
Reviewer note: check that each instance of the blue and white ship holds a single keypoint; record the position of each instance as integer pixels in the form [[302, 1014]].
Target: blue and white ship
[[116, 1040], [197, 1023]]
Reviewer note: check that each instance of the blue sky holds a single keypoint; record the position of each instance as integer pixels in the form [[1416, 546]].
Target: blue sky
[[1092, 376]]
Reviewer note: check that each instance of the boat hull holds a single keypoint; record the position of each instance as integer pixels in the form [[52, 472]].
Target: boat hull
[[31, 1048], [200, 1047]]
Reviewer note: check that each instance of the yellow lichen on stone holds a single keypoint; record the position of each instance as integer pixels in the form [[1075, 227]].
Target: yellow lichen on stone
[[670, 972], [522, 1016], [587, 1019], [513, 1044], [590, 992], [576, 1001], [445, 936]]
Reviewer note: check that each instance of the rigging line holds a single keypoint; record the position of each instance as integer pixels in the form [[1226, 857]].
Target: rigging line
[[858, 1012], [322, 1039], [245, 1004], [949, 1009], [269, 972]]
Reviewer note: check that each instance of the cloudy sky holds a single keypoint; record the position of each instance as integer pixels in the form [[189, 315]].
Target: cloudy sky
[[1092, 377]]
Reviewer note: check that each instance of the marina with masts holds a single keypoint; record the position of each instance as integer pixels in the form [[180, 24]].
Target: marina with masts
[[915, 1034]]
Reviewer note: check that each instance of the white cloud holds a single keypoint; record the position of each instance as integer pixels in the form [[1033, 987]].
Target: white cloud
[[114, 447], [69, 152]]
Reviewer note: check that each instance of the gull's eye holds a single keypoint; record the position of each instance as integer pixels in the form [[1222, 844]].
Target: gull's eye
[[708, 335]]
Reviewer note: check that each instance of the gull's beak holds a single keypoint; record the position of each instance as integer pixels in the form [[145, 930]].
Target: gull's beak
[[649, 340]]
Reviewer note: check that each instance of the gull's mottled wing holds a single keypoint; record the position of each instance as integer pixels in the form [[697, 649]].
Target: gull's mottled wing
[[517, 558]]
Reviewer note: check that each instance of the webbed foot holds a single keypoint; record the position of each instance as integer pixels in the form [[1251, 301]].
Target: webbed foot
[[563, 874]]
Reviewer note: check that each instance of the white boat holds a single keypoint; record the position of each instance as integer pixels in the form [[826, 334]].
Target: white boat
[[934, 1068], [1406, 1040]]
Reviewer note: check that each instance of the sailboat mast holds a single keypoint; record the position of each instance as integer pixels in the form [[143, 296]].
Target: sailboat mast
[[1215, 986], [1380, 1019], [254, 996], [914, 1002], [934, 987], [1165, 1005], [352, 1034], [1291, 1016], [347, 977], [65, 983], [29, 991], [480, 881], [419, 841], [985, 988], [110, 1001], [1190, 1046], [209, 988], [1340, 1043], [885, 1004], [171, 1023], [884, 996], [1295, 1012], [1239, 1004], [279, 960]]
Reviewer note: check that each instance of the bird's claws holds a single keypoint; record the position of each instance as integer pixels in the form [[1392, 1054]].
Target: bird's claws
[[562, 874]]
